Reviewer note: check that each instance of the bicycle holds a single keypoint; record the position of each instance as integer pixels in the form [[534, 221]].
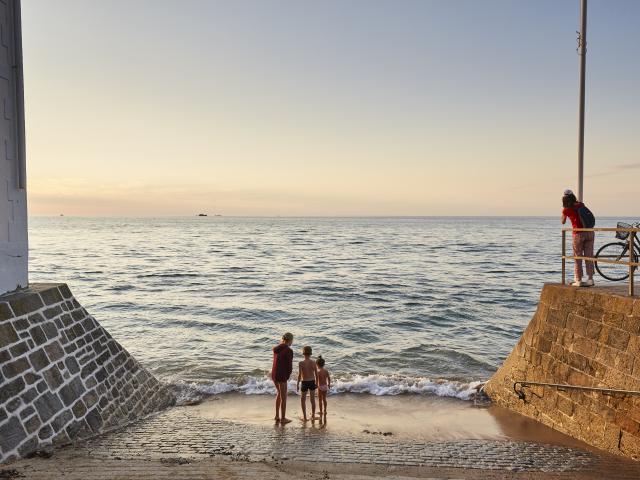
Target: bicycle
[[618, 251]]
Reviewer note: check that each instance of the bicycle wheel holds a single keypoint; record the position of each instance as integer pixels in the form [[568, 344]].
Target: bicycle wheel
[[613, 251]]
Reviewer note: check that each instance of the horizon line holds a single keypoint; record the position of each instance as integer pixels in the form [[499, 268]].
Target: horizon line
[[310, 216]]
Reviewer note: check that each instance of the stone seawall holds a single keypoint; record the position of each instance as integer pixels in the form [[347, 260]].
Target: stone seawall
[[586, 337], [62, 376]]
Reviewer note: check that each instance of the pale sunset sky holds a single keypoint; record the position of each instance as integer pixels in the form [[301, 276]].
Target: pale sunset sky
[[352, 107]]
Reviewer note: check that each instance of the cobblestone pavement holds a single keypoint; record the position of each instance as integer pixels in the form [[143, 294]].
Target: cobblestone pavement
[[178, 439]]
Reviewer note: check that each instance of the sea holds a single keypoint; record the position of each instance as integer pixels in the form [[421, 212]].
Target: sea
[[396, 306]]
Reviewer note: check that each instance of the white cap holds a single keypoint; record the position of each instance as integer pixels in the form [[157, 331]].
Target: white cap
[[568, 191]]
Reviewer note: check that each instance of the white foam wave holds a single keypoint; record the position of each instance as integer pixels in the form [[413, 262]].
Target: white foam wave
[[363, 384]]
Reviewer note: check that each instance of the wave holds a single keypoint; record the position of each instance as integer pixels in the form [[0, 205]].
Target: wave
[[380, 385], [169, 275]]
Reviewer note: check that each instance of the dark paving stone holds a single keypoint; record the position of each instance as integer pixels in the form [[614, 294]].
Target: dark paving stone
[[90, 398], [53, 377], [54, 351], [19, 349], [88, 369], [31, 378], [14, 404], [8, 334], [5, 312], [36, 318], [94, 420], [53, 312], [32, 424], [64, 291], [45, 432], [39, 360], [5, 356], [61, 439], [28, 447], [50, 330], [11, 434], [25, 304], [21, 324], [66, 319], [27, 412], [79, 409], [71, 391], [38, 335], [74, 429], [61, 420], [11, 389], [47, 405], [30, 395], [51, 296], [15, 368], [72, 365]]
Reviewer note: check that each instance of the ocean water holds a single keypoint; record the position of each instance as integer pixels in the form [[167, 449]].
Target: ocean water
[[395, 305]]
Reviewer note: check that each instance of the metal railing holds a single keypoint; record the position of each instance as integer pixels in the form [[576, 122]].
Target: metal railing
[[633, 232], [561, 387]]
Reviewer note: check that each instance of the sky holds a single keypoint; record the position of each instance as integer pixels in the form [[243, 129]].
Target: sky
[[358, 107]]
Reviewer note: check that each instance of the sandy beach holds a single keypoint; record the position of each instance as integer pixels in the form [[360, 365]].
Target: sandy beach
[[405, 417], [232, 436]]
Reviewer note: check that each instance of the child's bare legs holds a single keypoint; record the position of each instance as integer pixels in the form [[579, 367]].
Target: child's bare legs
[[312, 397], [322, 402], [303, 404], [278, 401], [281, 388]]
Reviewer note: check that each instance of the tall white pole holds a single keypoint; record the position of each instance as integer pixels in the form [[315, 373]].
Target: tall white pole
[[582, 52]]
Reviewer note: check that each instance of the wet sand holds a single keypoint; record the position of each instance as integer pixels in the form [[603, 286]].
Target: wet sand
[[233, 436], [424, 418]]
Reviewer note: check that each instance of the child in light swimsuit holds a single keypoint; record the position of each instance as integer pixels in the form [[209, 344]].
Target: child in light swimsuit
[[324, 385]]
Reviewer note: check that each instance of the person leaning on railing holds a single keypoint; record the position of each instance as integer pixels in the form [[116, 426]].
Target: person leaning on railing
[[582, 241]]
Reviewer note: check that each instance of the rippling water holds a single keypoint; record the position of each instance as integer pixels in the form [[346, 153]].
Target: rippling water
[[395, 305]]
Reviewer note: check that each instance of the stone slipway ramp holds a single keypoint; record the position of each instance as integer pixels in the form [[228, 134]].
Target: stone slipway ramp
[[587, 337], [62, 376]]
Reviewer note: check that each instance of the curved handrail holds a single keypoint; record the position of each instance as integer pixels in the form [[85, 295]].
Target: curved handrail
[[605, 391]]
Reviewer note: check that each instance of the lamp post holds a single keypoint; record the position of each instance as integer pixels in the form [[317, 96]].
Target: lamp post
[[582, 52]]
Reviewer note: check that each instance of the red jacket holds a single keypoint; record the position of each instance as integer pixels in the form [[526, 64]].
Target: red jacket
[[572, 214], [282, 363]]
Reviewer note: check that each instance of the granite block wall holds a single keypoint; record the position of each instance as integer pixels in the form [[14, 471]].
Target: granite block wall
[[587, 337], [62, 376]]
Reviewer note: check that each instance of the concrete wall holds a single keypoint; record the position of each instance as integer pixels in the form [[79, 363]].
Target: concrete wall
[[587, 337], [13, 195], [62, 376]]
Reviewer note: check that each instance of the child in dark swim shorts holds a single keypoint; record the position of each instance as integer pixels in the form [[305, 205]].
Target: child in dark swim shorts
[[308, 375]]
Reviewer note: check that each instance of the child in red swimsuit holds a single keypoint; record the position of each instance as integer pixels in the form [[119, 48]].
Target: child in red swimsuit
[[280, 373]]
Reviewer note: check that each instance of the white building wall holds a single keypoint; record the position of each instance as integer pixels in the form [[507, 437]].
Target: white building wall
[[13, 194]]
